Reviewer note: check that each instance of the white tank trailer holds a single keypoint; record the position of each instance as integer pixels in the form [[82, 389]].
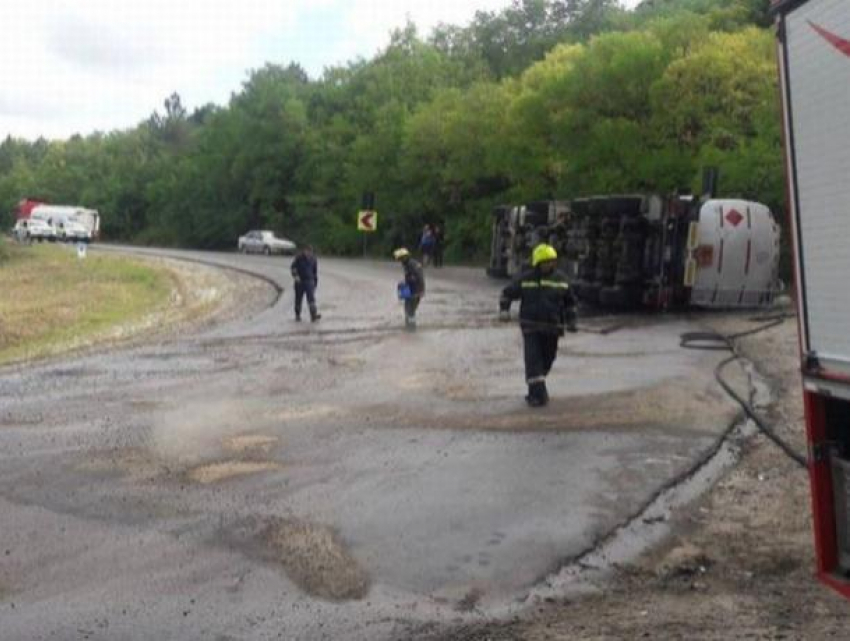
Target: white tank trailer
[[637, 251]]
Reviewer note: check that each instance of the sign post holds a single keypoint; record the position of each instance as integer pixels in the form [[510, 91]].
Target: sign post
[[367, 223], [367, 218]]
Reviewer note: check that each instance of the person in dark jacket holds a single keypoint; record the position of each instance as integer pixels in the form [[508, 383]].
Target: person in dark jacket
[[439, 245], [414, 278], [426, 245], [305, 274], [547, 307]]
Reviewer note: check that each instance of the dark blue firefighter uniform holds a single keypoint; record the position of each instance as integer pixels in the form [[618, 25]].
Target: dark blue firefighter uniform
[[415, 279], [305, 272], [547, 307]]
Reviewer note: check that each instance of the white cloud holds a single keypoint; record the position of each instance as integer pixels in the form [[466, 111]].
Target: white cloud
[[101, 64], [68, 67]]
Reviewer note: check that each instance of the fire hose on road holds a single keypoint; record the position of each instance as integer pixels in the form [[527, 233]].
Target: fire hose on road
[[715, 341]]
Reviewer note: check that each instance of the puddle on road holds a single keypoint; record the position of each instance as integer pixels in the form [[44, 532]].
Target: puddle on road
[[225, 470], [315, 559]]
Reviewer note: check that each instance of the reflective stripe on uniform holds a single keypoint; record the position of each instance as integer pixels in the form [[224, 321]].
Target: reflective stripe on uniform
[[536, 379], [533, 284]]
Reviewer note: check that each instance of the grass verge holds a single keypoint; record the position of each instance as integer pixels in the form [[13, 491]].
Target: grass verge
[[51, 301]]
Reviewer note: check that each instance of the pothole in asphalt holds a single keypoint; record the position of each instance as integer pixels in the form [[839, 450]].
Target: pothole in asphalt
[[224, 470], [315, 559]]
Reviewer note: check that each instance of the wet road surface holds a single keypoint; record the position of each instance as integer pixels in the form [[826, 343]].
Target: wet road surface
[[267, 479]]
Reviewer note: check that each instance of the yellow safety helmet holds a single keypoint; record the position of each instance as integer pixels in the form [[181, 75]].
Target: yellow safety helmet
[[400, 253], [543, 253]]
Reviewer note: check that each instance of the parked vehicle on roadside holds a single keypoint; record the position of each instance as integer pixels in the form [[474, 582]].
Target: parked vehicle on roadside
[[72, 231], [33, 230], [72, 224], [264, 242]]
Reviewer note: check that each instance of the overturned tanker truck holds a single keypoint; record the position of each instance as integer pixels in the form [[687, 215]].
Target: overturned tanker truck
[[639, 251]]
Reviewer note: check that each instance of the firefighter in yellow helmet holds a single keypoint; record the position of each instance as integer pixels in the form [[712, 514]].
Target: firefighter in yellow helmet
[[414, 279], [547, 308]]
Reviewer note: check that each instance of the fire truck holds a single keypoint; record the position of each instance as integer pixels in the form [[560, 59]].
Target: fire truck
[[814, 66], [646, 251]]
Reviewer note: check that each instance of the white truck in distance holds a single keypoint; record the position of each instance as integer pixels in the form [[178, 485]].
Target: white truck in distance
[[74, 224], [27, 230]]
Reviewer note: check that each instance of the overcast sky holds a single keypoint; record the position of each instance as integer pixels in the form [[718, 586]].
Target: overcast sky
[[79, 66]]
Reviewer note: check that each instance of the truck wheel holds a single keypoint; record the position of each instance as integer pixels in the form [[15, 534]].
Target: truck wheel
[[243, 249], [267, 251]]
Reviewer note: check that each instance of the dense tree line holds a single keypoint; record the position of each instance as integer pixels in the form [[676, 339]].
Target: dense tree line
[[546, 99]]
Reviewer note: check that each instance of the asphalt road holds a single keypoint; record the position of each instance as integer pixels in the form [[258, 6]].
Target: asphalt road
[[266, 479]]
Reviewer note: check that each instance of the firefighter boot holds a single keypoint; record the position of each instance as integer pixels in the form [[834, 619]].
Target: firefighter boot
[[538, 396], [314, 315]]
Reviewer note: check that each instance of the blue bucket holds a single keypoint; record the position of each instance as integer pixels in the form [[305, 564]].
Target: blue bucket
[[404, 292]]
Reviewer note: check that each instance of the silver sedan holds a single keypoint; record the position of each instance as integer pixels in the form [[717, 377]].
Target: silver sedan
[[265, 242]]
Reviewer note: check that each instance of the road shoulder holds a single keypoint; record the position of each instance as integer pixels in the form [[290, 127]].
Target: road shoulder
[[740, 560]]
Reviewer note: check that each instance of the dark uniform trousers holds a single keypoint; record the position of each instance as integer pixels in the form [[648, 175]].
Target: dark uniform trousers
[[540, 350], [410, 306], [305, 288], [547, 308]]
